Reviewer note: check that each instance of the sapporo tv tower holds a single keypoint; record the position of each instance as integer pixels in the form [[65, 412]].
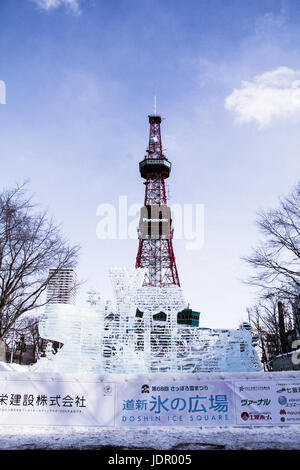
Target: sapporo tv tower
[[155, 252]]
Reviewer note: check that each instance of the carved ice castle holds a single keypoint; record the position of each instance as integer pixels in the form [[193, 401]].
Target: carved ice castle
[[149, 327]]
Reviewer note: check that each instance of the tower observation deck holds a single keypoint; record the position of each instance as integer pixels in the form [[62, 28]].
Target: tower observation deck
[[155, 252]]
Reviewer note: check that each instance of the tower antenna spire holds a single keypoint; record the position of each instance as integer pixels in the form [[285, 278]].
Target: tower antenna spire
[[154, 107]]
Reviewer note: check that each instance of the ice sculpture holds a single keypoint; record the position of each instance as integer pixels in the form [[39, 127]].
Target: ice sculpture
[[213, 350], [139, 333], [80, 332]]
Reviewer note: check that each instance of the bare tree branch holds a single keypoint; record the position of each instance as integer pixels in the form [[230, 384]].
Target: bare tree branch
[[276, 260], [30, 244]]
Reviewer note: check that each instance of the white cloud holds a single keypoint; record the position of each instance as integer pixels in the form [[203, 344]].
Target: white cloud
[[268, 97], [47, 5]]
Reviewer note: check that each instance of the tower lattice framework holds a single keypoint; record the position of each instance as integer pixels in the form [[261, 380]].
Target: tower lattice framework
[[155, 252]]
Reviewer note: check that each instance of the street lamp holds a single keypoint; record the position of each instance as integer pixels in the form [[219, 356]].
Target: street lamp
[[21, 346]]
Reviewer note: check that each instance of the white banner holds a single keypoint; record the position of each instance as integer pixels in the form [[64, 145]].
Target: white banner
[[161, 400], [59, 403]]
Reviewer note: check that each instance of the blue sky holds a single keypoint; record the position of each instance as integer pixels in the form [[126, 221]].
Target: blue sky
[[79, 81]]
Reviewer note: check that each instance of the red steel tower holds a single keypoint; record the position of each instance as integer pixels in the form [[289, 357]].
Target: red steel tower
[[155, 252]]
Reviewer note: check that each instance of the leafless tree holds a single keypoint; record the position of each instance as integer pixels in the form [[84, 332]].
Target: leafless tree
[[276, 261], [30, 244], [26, 326], [265, 318]]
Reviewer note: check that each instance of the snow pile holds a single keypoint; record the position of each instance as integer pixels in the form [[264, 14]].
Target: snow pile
[[6, 367], [76, 437]]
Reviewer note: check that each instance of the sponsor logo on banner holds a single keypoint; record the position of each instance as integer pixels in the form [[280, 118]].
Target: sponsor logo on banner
[[282, 400], [108, 390]]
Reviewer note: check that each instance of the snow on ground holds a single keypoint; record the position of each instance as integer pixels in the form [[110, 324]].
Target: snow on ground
[[229, 438], [7, 367]]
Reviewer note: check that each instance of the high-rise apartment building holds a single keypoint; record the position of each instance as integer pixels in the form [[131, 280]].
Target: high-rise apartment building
[[61, 287]]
